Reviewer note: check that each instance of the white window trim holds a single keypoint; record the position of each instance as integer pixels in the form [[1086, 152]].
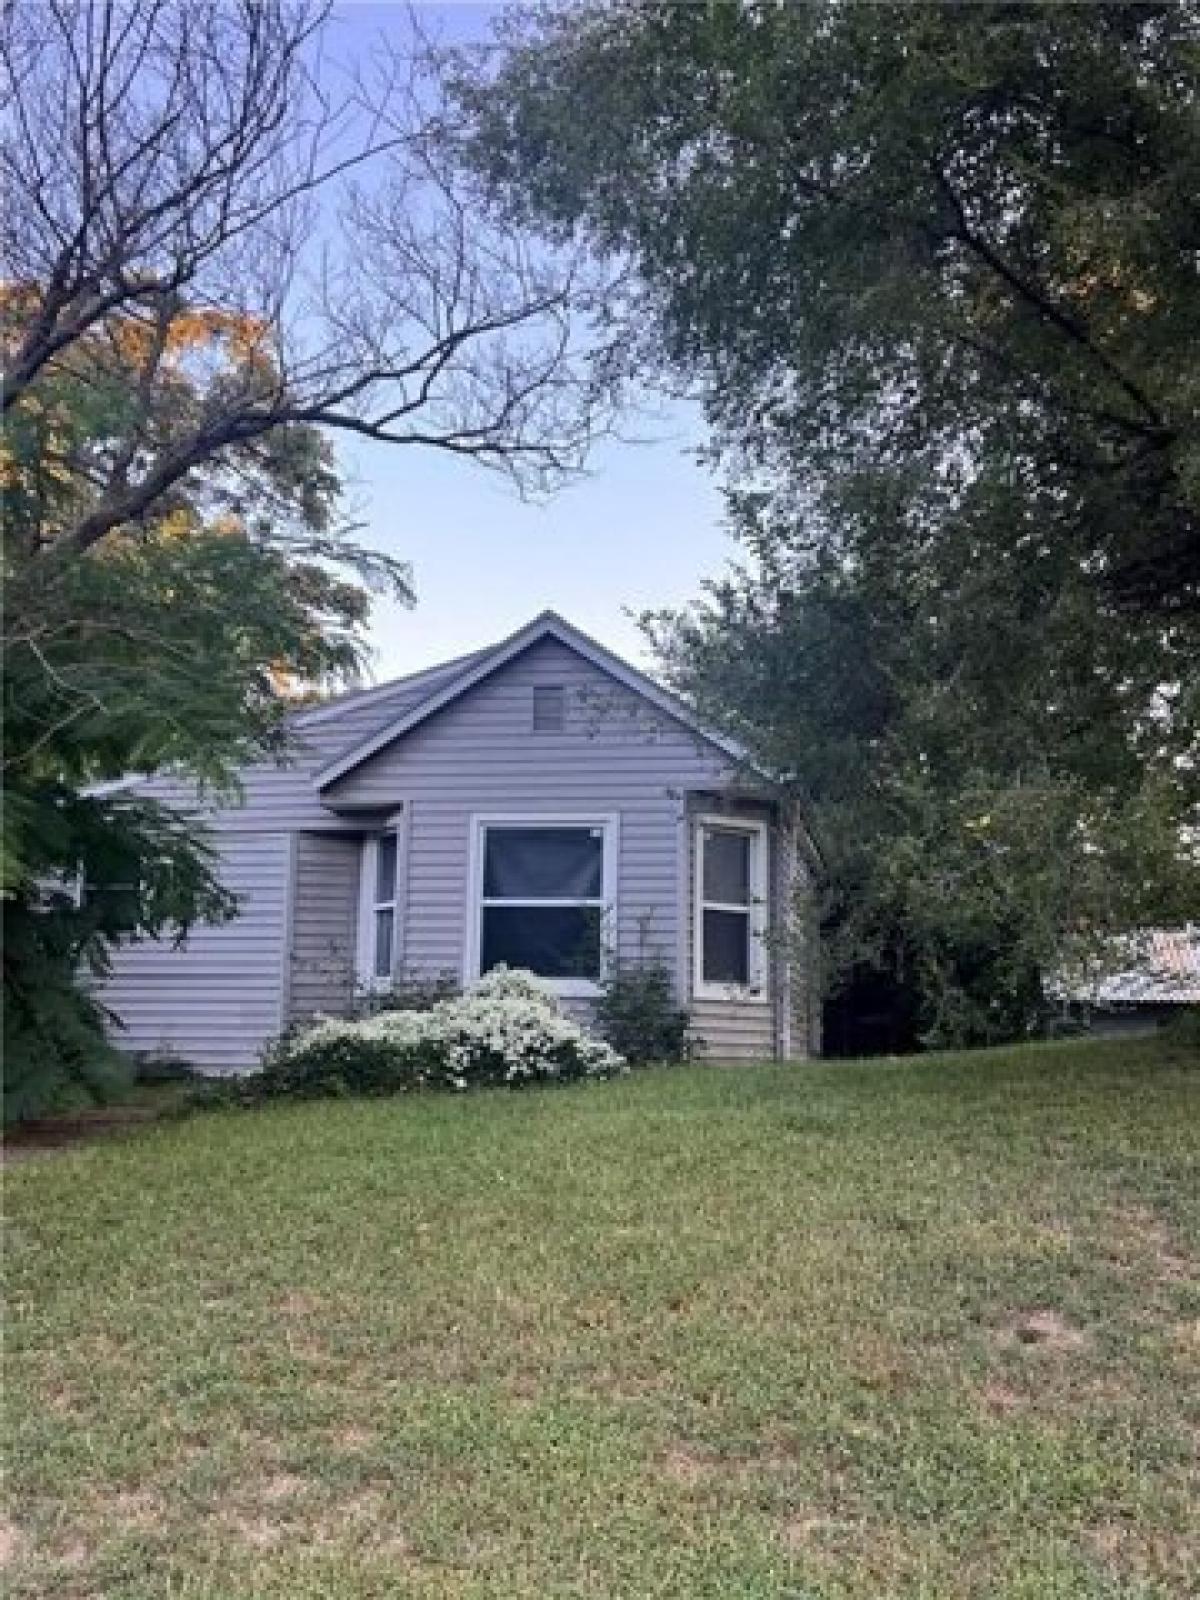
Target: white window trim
[[610, 825], [364, 963], [755, 992]]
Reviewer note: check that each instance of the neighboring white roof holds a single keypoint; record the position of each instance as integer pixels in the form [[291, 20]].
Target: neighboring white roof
[[477, 667], [1163, 969]]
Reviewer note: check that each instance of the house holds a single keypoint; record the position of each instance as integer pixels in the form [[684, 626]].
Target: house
[[539, 803]]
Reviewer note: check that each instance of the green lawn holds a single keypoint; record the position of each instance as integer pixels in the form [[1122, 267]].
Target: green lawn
[[874, 1330]]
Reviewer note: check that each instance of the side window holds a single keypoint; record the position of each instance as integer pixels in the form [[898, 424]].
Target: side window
[[377, 917], [730, 908]]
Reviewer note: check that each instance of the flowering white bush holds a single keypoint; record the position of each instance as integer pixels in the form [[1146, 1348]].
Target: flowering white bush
[[507, 1029]]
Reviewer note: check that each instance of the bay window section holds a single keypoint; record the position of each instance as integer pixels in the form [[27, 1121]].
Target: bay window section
[[730, 908], [542, 893]]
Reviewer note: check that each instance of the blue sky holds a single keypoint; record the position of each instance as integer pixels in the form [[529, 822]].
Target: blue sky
[[641, 530]]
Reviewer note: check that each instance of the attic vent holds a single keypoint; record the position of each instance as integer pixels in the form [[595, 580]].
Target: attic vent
[[549, 703]]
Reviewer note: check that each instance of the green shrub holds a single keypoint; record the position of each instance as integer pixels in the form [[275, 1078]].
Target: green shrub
[[56, 1054], [154, 1067], [348, 1057], [409, 994], [1184, 1030], [638, 1014]]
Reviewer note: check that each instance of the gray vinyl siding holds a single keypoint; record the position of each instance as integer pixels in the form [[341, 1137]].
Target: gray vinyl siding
[[217, 999], [733, 1030], [479, 755], [324, 924]]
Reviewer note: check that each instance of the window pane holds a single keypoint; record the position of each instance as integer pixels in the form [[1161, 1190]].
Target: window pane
[[383, 943], [727, 947], [544, 864], [385, 869], [553, 941], [727, 866]]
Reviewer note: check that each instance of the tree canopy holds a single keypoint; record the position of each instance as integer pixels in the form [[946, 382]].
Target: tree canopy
[[168, 162], [169, 646], [932, 271], [875, 233]]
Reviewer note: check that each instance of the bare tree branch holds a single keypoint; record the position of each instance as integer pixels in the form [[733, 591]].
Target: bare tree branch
[[167, 162]]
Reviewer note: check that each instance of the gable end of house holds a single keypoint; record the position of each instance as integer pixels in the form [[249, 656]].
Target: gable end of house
[[479, 668]]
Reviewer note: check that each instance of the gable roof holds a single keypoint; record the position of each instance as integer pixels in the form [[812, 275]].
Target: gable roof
[[475, 668], [414, 684], [322, 729]]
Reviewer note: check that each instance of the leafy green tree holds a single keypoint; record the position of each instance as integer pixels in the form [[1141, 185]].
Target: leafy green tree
[[169, 647], [931, 269], [877, 233], [974, 838]]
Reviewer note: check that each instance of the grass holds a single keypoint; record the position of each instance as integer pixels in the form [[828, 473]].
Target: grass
[[922, 1329]]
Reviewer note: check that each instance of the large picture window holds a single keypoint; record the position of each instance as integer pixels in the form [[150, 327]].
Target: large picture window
[[730, 909], [542, 892]]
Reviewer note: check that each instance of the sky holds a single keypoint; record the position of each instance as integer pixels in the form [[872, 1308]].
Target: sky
[[640, 531]]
